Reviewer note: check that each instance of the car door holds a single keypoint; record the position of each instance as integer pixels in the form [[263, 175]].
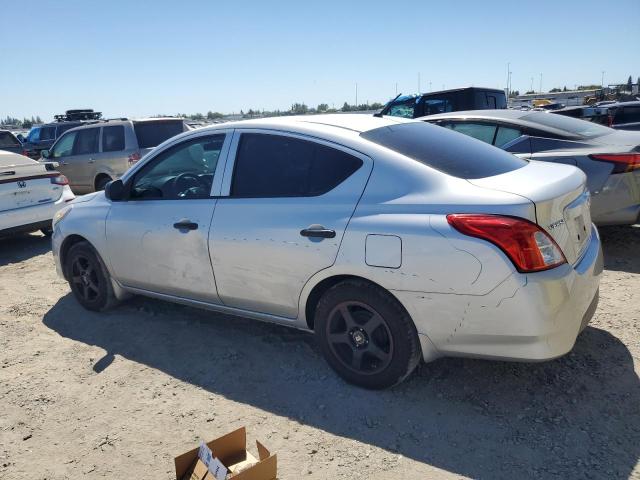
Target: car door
[[286, 202], [83, 160], [61, 151], [157, 236]]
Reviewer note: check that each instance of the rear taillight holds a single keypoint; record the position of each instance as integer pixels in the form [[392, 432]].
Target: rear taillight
[[134, 157], [60, 180], [525, 243], [622, 162]]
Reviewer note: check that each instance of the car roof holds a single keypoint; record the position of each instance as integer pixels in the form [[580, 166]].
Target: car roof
[[117, 121], [633, 103]]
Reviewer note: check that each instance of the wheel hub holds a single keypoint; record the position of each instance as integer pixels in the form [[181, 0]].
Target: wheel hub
[[359, 337], [84, 276]]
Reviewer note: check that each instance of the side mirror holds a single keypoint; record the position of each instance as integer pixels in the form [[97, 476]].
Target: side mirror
[[114, 190], [45, 153]]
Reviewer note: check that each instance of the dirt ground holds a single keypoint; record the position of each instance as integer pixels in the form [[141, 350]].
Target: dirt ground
[[118, 395]]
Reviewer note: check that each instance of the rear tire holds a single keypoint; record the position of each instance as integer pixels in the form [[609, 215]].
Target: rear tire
[[88, 278], [366, 335]]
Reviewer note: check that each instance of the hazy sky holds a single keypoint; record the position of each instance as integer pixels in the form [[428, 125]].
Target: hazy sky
[[138, 58]]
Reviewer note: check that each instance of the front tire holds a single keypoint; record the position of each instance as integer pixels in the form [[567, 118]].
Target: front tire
[[101, 183], [88, 278], [366, 335]]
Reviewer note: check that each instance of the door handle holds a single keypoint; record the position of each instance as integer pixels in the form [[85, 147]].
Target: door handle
[[185, 224], [318, 231]]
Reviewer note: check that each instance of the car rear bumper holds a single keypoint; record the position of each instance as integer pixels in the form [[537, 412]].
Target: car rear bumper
[[528, 317], [33, 217]]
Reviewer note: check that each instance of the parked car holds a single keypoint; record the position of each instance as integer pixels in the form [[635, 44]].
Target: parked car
[[30, 194], [93, 155], [610, 158], [593, 114], [392, 240], [472, 98], [10, 143], [624, 115], [41, 137]]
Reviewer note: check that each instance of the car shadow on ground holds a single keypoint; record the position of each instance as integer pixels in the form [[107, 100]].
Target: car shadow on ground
[[621, 246], [17, 248], [575, 417]]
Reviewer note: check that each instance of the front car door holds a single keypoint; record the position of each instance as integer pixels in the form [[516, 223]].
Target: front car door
[[286, 202], [61, 151], [157, 235]]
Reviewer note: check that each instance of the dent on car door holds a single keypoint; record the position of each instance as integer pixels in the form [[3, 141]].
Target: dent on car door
[[286, 203], [158, 235]]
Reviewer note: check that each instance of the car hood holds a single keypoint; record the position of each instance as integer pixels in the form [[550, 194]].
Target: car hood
[[88, 197]]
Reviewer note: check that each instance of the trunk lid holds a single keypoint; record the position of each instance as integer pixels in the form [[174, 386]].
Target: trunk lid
[[620, 138], [561, 201], [25, 183]]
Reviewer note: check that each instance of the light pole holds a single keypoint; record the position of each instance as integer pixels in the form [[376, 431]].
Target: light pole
[[531, 89], [356, 95], [602, 80], [540, 83], [418, 82], [508, 75]]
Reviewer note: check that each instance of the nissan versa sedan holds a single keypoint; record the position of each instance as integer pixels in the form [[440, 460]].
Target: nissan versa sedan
[[393, 240], [610, 158]]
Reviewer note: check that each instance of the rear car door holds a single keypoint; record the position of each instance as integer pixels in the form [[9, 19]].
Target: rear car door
[[83, 160], [287, 200], [157, 237], [9, 142]]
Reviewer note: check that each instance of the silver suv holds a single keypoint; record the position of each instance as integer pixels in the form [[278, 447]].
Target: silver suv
[[92, 155]]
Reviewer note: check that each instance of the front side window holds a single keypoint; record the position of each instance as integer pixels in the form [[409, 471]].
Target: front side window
[[281, 166], [183, 171], [481, 131], [86, 141], [34, 135], [433, 106], [113, 138], [64, 146], [404, 108], [47, 133]]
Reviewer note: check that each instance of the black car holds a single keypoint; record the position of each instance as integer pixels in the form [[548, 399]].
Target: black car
[[471, 98], [41, 137], [618, 115]]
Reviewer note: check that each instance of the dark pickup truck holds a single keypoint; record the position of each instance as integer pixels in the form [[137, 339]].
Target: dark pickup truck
[[471, 98]]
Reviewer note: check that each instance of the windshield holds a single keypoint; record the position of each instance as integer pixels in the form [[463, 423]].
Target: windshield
[[572, 126], [445, 150], [152, 133]]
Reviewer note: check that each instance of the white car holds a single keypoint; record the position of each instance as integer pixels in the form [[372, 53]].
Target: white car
[[30, 194], [393, 240]]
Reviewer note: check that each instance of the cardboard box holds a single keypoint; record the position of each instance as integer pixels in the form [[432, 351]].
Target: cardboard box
[[231, 450]]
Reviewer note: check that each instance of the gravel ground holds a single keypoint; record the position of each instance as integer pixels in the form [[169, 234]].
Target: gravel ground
[[118, 395]]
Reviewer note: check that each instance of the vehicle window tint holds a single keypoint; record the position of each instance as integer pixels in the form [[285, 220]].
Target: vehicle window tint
[[444, 150], [47, 133], [151, 134], [63, 128], [506, 135], [113, 138], [491, 101], [627, 115], [482, 131], [86, 141], [280, 166], [64, 146], [437, 105], [183, 171], [8, 140]]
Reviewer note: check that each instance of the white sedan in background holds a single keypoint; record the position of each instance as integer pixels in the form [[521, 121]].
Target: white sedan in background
[[30, 194], [393, 240]]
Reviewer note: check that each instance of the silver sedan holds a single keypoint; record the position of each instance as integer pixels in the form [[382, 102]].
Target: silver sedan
[[610, 158], [393, 240]]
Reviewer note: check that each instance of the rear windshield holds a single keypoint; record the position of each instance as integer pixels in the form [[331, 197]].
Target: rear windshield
[[573, 126], [8, 140], [152, 134], [440, 148]]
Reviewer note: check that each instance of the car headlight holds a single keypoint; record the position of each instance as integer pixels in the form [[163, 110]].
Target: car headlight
[[60, 214]]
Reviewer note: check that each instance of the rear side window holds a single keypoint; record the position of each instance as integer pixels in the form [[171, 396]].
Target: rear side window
[[627, 115], [482, 131], [444, 150], [34, 135], [404, 109], [279, 166], [113, 138], [433, 106], [506, 135], [63, 128], [86, 141], [8, 140], [151, 134]]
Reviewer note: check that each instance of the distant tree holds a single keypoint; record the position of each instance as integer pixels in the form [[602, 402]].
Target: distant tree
[[214, 115], [346, 107], [629, 83], [299, 109], [564, 89], [26, 123], [529, 92], [554, 90], [589, 87], [376, 106], [323, 107], [38, 119]]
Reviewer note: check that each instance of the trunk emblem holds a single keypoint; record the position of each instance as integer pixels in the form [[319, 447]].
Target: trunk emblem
[[22, 184], [556, 224]]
